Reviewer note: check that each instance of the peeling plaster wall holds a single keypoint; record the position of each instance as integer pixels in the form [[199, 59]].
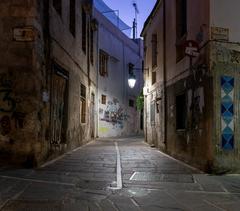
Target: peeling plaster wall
[[192, 144]]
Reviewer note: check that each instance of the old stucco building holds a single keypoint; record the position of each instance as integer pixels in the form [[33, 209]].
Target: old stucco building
[[47, 78], [117, 113], [192, 102]]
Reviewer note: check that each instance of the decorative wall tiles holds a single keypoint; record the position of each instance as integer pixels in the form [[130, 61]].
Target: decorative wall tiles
[[227, 112]]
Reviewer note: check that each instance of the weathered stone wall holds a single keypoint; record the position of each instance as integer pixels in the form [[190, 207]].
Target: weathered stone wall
[[20, 82], [225, 66], [67, 52], [28, 80], [193, 143]]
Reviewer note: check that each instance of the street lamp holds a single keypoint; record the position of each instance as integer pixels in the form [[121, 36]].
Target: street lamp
[[131, 81], [131, 77]]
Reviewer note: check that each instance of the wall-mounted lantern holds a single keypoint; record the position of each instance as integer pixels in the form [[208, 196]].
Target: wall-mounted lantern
[[131, 77], [131, 81]]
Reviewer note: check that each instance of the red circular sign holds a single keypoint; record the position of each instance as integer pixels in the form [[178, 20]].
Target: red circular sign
[[191, 48]]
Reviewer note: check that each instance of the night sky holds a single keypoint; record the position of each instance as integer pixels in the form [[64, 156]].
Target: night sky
[[126, 10]]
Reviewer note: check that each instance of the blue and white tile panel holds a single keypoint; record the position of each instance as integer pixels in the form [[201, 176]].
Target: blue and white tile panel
[[227, 112]]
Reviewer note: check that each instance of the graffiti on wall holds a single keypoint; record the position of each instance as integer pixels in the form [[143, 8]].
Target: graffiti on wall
[[114, 114], [7, 102], [9, 117]]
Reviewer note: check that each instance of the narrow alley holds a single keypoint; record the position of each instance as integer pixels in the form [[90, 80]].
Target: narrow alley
[[116, 175]]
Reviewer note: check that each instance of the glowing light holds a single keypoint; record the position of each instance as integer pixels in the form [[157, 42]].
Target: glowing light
[[131, 81]]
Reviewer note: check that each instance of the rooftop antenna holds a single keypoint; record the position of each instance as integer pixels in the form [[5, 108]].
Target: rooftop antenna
[[134, 3]]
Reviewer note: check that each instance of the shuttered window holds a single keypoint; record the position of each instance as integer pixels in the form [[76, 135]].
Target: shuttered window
[[83, 104], [103, 63]]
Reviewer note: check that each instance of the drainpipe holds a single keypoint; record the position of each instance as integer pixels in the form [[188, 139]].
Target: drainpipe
[[164, 74]]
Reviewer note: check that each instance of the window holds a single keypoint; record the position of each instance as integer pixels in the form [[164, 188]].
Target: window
[[84, 31], [104, 99], [181, 18], [57, 4], [130, 68], [72, 23], [145, 46], [181, 107], [181, 27], [131, 103], [83, 104], [154, 50], [93, 98], [91, 47], [154, 77], [103, 63], [152, 113], [158, 106], [180, 53]]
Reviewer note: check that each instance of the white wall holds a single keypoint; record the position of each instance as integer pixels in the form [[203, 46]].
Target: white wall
[[116, 118], [225, 14]]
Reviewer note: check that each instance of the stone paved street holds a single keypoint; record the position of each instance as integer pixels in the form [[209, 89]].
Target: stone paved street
[[89, 179]]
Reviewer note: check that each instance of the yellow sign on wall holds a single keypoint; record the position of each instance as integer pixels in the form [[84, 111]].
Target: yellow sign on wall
[[218, 33]]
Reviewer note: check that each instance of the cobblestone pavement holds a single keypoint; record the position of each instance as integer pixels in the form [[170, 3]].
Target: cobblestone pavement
[[90, 179]]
